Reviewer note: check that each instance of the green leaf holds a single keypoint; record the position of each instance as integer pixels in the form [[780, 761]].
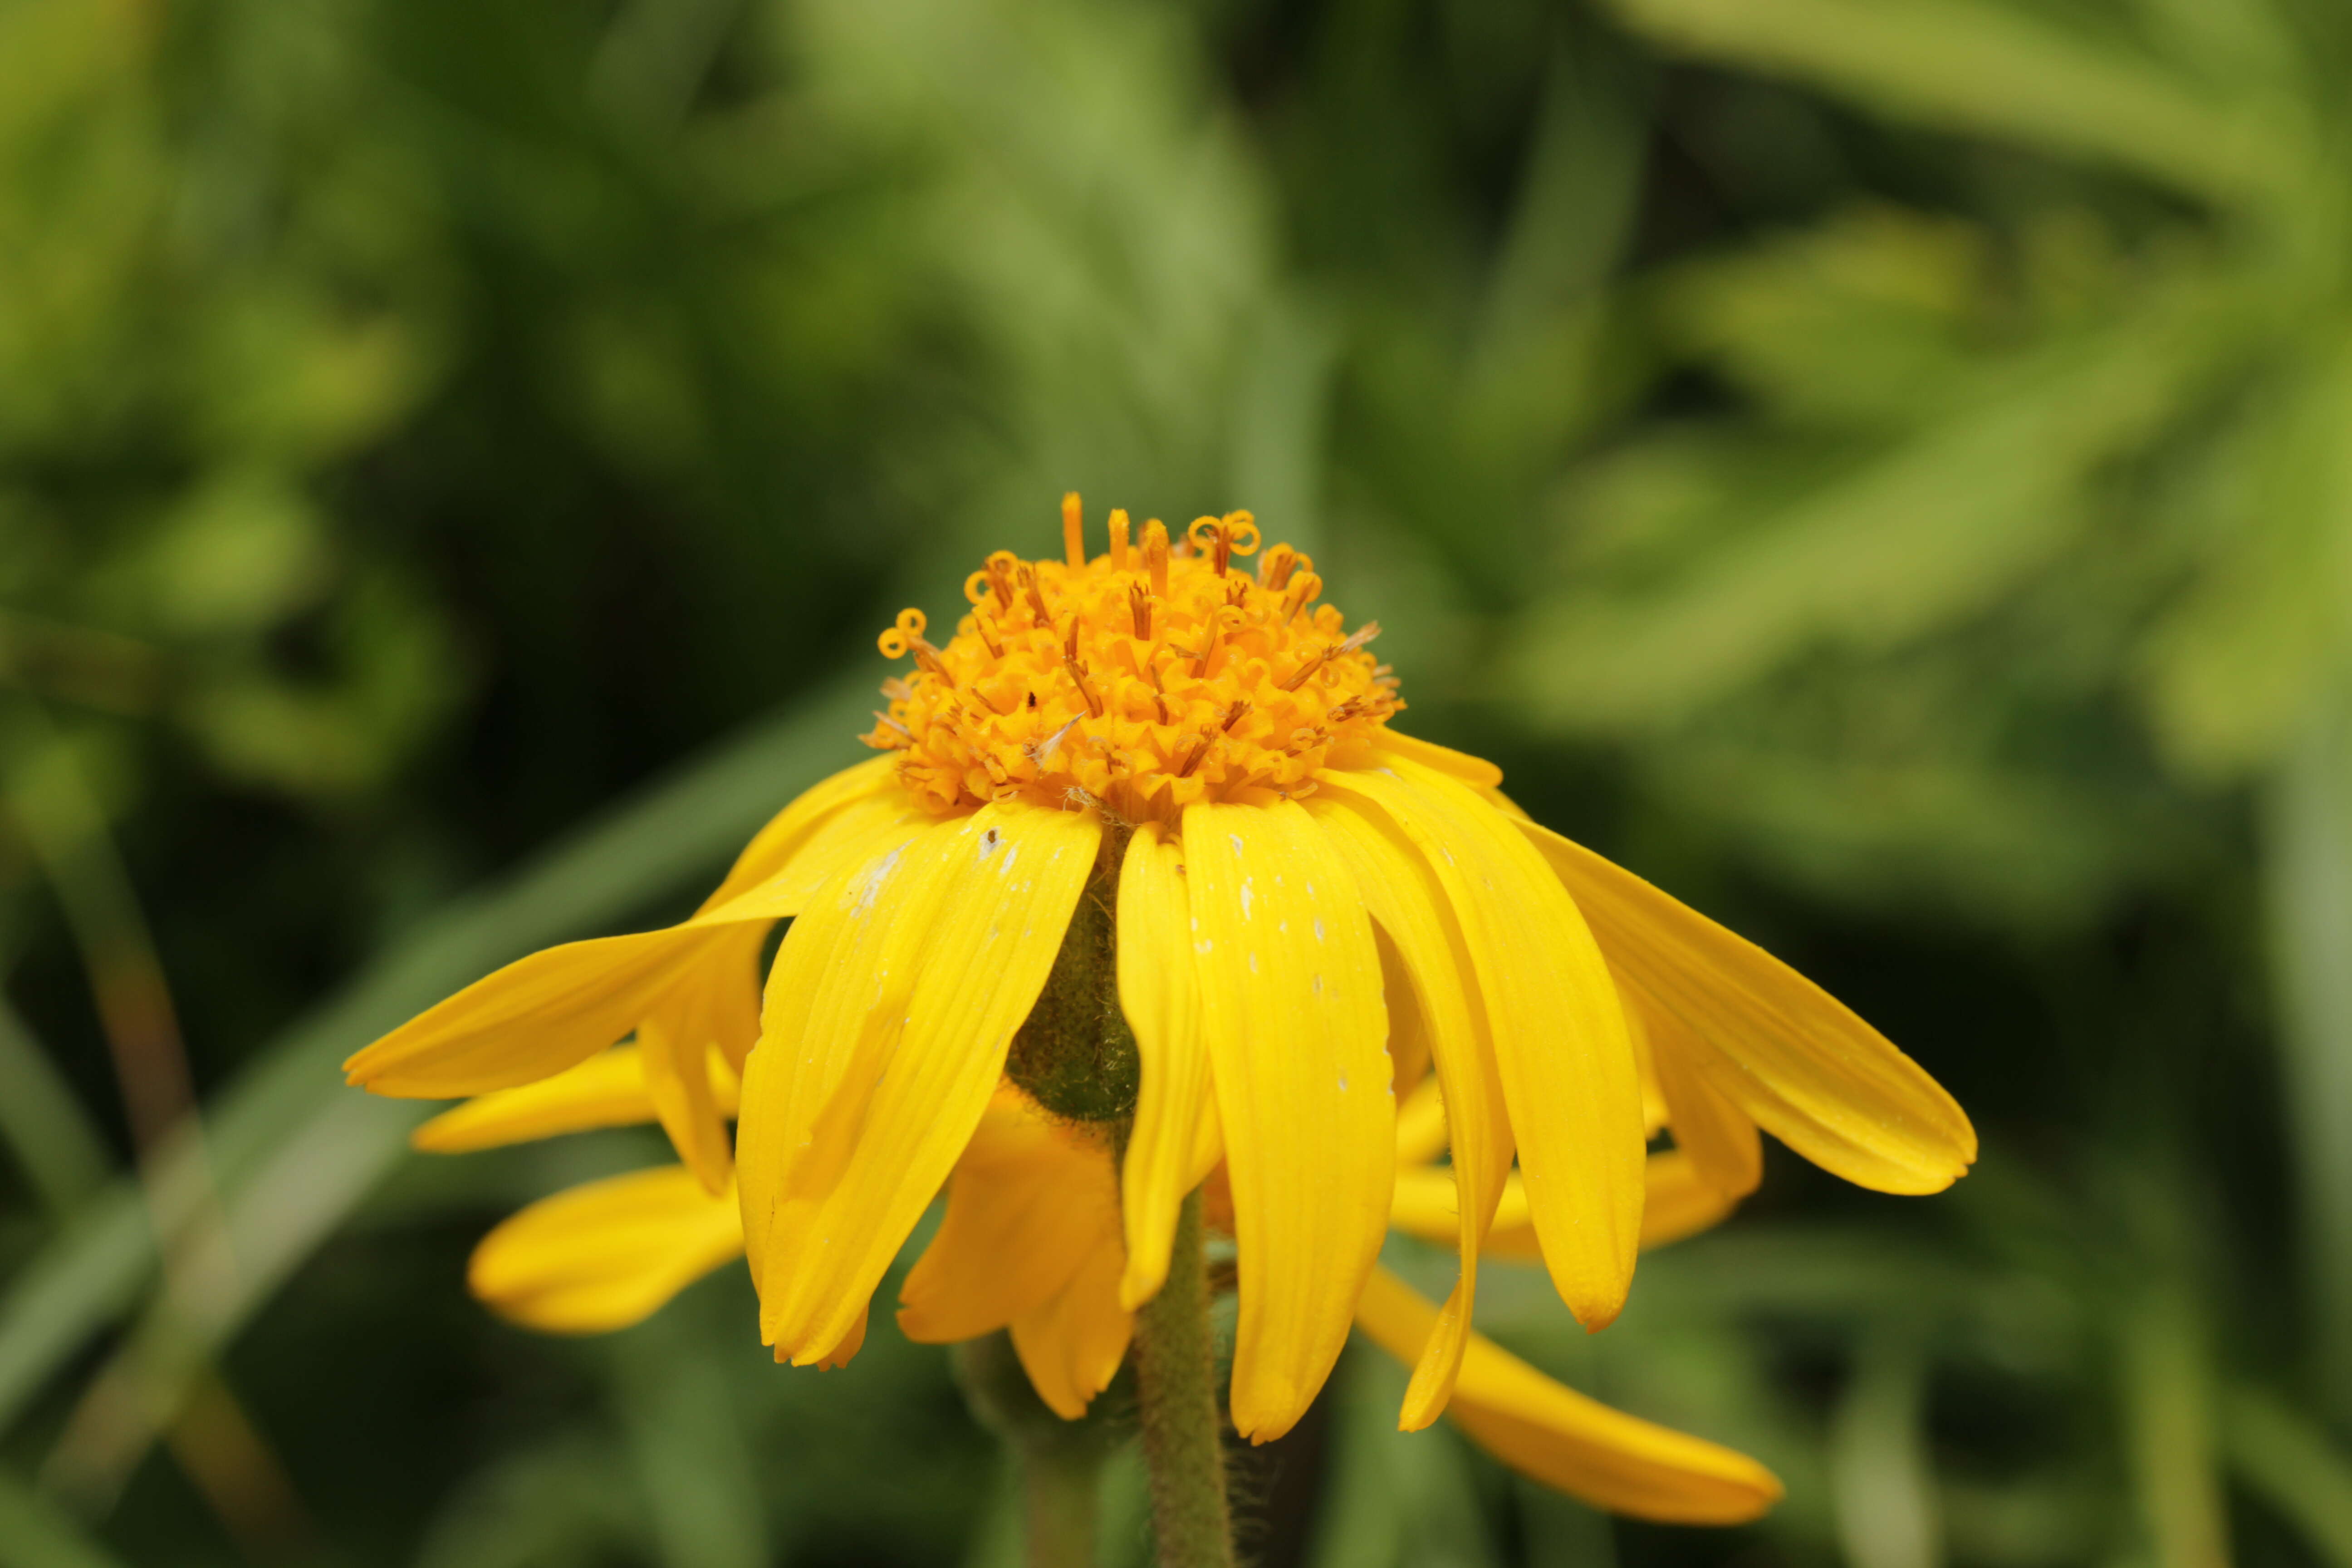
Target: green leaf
[[1984, 69], [2287, 1460], [1907, 542], [293, 1150], [35, 1533]]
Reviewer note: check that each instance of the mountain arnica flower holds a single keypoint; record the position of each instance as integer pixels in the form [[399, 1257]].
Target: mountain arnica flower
[[1143, 844]]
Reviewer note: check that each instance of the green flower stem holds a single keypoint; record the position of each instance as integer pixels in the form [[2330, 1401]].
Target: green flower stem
[[1176, 1398], [1060, 1461]]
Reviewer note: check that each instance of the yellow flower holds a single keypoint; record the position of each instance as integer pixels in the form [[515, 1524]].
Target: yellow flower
[[1299, 891], [1031, 1242]]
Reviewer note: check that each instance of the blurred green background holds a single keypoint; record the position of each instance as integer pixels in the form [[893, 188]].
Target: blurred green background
[[1882, 469]]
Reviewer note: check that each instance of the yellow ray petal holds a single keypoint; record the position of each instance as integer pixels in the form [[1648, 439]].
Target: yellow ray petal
[[850, 835], [1409, 1047], [843, 969], [1421, 1124], [1412, 906], [608, 1090], [1552, 1433], [868, 1080], [711, 1010], [531, 1020], [605, 1255], [1291, 1008], [849, 1345], [1677, 1202], [1560, 1043], [1681, 1199], [782, 839], [1720, 1138], [557, 1007], [1797, 1060], [1175, 1142], [1475, 772], [1072, 1346], [1654, 1096], [1028, 1202]]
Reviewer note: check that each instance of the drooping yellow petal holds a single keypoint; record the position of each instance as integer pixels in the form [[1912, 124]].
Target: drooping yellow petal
[[1676, 1203], [1028, 1202], [712, 1009], [869, 1080], [1794, 1058], [1721, 1141], [1475, 772], [531, 1020], [1681, 1199], [608, 1090], [850, 835], [1175, 1142], [1409, 1047], [1550, 1432], [557, 1007], [844, 970], [1559, 1038], [778, 843], [1291, 1008], [850, 1343], [1072, 1346], [1653, 1097], [607, 1255], [1412, 906], [1421, 1124]]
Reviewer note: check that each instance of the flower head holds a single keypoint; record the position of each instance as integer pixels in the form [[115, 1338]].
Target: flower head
[[1164, 794], [1143, 680]]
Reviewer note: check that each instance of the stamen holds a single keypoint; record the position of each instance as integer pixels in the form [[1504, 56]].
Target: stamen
[[1208, 648], [1001, 567], [1155, 556], [1073, 537], [1159, 692], [1119, 539], [1037, 596], [1361, 636], [929, 657], [898, 691], [1139, 603], [1199, 751], [1315, 662], [1208, 535], [1078, 671]]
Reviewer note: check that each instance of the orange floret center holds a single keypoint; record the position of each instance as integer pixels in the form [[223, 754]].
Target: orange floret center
[[1146, 679]]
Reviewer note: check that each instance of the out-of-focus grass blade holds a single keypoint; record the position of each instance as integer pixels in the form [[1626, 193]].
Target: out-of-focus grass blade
[[43, 1124], [702, 1496], [1992, 70], [2235, 669], [1911, 541], [566, 1500], [2167, 1406], [1878, 1461], [35, 1534], [2289, 1462], [1393, 1497], [293, 1149], [2308, 865]]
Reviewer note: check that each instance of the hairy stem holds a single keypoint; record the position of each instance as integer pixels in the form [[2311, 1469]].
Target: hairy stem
[[1176, 1397]]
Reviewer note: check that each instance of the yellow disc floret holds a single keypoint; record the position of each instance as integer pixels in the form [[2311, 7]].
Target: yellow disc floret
[[1140, 680]]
